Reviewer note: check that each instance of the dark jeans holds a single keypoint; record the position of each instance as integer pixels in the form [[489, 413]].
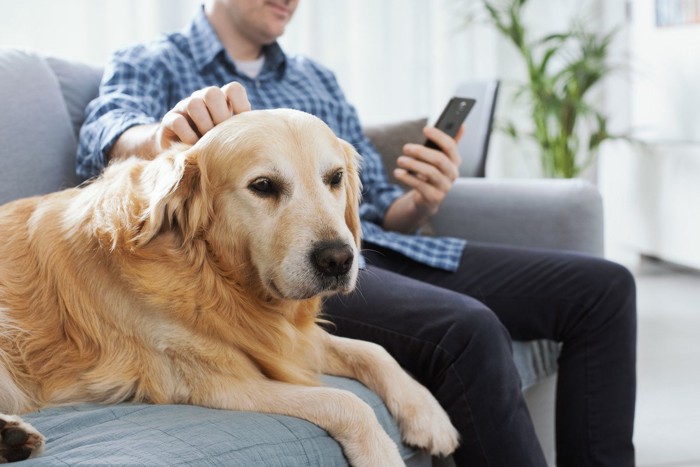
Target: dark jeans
[[452, 332]]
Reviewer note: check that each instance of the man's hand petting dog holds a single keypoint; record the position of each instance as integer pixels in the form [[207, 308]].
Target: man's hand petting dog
[[194, 116]]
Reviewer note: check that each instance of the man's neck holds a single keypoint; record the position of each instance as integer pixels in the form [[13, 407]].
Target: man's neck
[[236, 45]]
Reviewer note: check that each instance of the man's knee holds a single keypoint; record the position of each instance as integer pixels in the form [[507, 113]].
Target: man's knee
[[614, 283], [476, 345], [608, 275], [475, 329], [612, 296]]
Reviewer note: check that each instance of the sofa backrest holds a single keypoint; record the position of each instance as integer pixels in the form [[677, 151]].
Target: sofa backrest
[[79, 84], [42, 102]]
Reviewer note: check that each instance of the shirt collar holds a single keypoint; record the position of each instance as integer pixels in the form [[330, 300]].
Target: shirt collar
[[206, 46], [204, 43], [275, 60]]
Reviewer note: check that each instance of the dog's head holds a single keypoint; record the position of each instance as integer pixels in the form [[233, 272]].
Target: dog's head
[[274, 194]]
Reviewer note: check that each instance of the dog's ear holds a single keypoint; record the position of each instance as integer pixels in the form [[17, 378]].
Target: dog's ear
[[173, 186], [353, 190]]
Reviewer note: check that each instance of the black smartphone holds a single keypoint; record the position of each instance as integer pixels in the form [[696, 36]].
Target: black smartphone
[[452, 117]]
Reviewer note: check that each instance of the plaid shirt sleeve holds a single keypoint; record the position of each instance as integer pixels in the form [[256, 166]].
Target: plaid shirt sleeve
[[132, 93]]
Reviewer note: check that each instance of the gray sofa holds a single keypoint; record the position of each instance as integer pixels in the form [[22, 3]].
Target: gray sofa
[[42, 108]]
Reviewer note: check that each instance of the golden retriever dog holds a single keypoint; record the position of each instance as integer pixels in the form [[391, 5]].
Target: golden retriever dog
[[197, 278]]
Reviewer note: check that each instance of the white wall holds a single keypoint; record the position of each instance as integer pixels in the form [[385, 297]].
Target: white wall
[[650, 190], [666, 78]]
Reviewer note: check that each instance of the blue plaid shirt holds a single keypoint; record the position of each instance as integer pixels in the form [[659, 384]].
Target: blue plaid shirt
[[143, 82]]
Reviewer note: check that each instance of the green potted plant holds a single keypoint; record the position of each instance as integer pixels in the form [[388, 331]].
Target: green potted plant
[[562, 69]]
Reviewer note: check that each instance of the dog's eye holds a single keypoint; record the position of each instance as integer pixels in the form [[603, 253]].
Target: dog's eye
[[336, 179], [263, 187]]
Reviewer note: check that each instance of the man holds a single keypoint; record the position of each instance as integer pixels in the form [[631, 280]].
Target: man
[[445, 309]]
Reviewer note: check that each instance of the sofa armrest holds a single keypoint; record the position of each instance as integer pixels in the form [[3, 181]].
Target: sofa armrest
[[546, 213]]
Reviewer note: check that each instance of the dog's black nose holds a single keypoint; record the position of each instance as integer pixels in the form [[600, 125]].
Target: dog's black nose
[[332, 258]]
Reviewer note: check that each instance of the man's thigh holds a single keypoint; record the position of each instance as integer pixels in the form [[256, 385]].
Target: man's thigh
[[536, 293], [422, 325]]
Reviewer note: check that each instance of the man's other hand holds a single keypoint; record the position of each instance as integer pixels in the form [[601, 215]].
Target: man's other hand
[[430, 172]]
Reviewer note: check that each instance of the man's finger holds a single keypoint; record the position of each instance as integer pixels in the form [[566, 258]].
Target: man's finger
[[431, 195], [199, 114], [237, 97], [460, 133], [441, 161], [445, 142], [216, 103], [177, 128]]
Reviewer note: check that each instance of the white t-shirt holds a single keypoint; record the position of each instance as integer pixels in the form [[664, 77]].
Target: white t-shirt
[[250, 68]]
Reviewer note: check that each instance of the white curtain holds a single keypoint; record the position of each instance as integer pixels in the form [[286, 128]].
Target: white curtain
[[88, 30], [394, 58]]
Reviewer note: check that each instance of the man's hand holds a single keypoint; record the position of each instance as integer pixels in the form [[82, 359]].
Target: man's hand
[[191, 119], [430, 174], [194, 116]]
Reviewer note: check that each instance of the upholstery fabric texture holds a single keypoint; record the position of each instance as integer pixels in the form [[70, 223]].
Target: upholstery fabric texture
[[169, 435]]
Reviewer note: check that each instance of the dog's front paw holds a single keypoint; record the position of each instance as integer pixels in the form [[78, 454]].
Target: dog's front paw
[[424, 423], [18, 439], [374, 449]]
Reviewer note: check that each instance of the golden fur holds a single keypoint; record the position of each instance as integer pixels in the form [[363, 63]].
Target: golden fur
[[184, 280]]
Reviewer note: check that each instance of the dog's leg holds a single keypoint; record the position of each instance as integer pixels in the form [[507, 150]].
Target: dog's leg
[[346, 417], [18, 439], [422, 420]]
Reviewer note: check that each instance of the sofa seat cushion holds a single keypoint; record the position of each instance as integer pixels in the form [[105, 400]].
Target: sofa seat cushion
[[169, 435]]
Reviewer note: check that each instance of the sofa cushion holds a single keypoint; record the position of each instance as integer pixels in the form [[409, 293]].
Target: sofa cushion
[[169, 435], [389, 139], [38, 147], [79, 84]]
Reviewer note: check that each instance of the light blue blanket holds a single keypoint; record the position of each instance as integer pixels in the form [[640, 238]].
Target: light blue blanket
[[171, 435]]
